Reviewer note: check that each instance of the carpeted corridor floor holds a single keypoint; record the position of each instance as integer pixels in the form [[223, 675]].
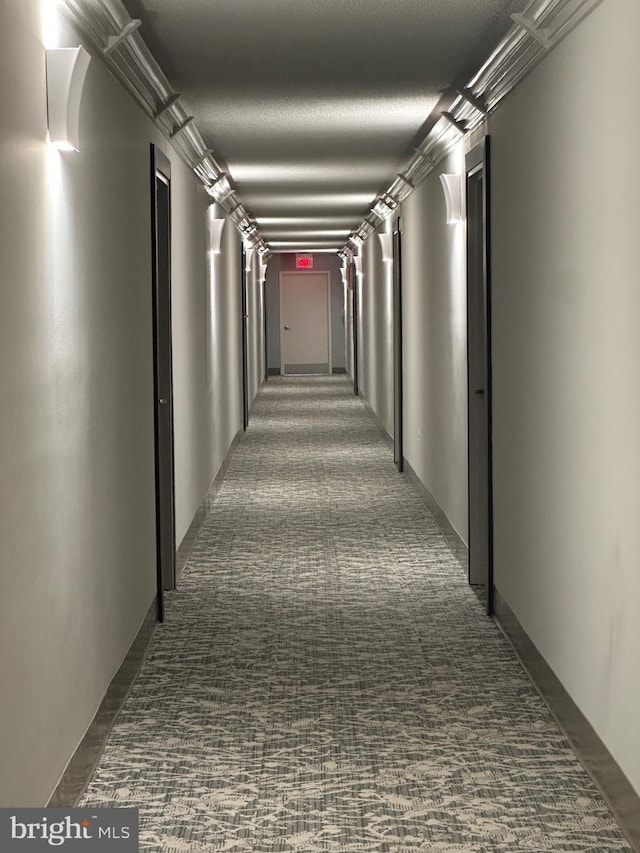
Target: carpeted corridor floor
[[327, 681]]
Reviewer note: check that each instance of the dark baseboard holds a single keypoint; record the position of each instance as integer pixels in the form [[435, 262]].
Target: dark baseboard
[[191, 535], [622, 798], [273, 371], [80, 768], [338, 371], [453, 538]]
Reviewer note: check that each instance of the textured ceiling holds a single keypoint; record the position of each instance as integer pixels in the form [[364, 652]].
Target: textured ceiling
[[314, 104]]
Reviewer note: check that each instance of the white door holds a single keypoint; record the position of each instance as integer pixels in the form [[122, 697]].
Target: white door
[[305, 344]]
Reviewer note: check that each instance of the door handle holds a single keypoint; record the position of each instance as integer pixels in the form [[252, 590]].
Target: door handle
[[479, 392], [287, 328], [162, 401]]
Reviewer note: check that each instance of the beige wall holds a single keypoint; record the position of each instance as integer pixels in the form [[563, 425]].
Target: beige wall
[[77, 528]]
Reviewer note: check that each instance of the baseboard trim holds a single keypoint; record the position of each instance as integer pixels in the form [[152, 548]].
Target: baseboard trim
[[339, 371], [273, 371], [594, 756], [80, 768], [182, 555], [454, 541]]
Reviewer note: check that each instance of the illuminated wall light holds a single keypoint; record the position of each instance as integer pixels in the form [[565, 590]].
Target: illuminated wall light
[[262, 270], [452, 188], [248, 257], [215, 231], [358, 262], [386, 245], [66, 72]]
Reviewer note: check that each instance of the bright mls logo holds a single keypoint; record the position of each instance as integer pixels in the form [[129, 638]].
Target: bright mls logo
[[28, 830]]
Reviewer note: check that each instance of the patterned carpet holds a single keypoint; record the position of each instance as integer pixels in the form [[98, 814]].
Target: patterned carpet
[[327, 681]]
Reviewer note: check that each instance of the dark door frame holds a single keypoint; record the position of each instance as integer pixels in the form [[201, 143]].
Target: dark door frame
[[398, 377], [265, 330], [354, 320], [245, 353], [160, 186], [477, 165]]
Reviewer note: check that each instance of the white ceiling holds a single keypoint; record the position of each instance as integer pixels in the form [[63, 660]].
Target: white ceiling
[[313, 105]]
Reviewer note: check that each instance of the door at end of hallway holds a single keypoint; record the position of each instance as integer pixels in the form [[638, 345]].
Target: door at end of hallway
[[305, 327]]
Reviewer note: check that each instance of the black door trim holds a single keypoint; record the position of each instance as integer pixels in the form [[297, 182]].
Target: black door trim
[[478, 159], [354, 319], [160, 170], [398, 376], [245, 353]]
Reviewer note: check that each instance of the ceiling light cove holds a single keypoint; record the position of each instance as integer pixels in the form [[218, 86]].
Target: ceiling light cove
[[321, 171], [319, 233], [326, 201], [306, 221]]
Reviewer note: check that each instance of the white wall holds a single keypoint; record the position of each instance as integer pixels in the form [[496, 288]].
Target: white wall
[[255, 332], [375, 344], [435, 345], [225, 344], [207, 354], [566, 352], [77, 528]]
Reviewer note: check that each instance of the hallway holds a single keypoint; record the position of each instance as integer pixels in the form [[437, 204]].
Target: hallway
[[326, 680]]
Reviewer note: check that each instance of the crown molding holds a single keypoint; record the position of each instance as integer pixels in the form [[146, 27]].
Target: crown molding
[[536, 31], [114, 37]]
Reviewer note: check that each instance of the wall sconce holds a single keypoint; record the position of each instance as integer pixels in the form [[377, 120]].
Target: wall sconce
[[386, 244], [262, 270], [452, 188], [248, 257], [215, 231], [358, 262], [66, 72]]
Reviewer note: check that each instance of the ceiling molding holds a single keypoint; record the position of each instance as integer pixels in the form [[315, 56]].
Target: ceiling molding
[[542, 25], [114, 37]]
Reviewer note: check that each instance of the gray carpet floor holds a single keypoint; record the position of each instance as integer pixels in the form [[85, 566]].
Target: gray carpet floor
[[326, 680]]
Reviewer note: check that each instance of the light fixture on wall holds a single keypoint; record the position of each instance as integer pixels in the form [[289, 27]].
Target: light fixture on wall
[[358, 263], [249, 252], [66, 73], [215, 231], [452, 188], [386, 244], [262, 270]]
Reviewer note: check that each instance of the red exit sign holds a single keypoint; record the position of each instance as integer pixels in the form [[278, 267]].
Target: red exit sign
[[304, 262]]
